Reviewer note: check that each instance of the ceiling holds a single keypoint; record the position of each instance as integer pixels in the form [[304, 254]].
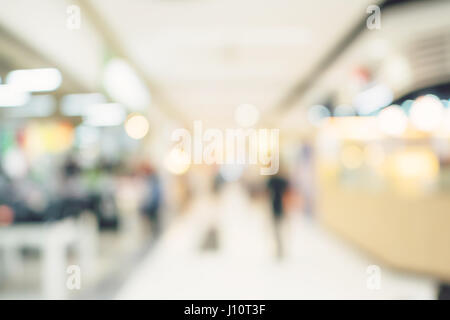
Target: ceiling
[[204, 57]]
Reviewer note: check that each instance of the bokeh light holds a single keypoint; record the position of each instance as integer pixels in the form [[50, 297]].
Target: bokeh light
[[178, 161], [137, 126], [317, 113], [392, 121], [426, 113]]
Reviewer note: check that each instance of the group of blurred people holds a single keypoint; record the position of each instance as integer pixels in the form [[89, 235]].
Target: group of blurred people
[[95, 189]]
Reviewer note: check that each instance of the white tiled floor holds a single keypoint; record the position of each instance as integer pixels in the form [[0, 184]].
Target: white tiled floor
[[318, 265]]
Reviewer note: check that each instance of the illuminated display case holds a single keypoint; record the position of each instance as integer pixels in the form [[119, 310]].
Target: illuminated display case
[[388, 193]]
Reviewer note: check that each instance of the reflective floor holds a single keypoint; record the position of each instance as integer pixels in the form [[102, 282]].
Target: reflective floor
[[223, 248]]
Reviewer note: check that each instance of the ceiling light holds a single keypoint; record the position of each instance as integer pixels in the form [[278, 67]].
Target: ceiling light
[[12, 97], [42, 105], [105, 114], [124, 86], [35, 80], [317, 113], [78, 104]]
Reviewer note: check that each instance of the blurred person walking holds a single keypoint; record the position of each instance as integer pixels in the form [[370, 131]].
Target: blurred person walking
[[277, 186], [218, 182], [152, 199]]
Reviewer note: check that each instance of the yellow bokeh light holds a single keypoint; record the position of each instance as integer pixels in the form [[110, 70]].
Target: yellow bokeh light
[[178, 161], [415, 164], [136, 126], [414, 170]]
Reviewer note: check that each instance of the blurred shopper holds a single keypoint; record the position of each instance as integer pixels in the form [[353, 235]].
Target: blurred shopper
[[306, 174], [444, 291], [218, 183], [71, 185], [152, 199], [277, 186], [104, 196], [72, 192]]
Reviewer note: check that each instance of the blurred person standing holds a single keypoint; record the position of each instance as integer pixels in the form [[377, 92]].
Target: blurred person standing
[[71, 193], [71, 184], [277, 186], [152, 199], [218, 182], [306, 174]]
